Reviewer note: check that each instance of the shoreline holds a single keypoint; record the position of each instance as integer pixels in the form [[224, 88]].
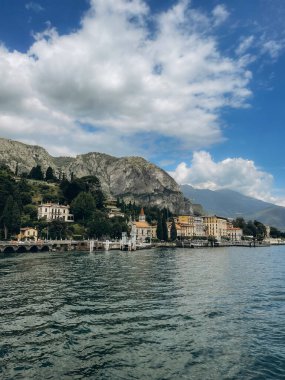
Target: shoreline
[[95, 245]]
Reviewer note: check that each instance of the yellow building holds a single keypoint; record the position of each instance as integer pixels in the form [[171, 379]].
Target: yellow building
[[28, 233], [216, 226], [186, 223]]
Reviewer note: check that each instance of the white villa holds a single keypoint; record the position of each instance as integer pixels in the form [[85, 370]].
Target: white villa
[[52, 211]]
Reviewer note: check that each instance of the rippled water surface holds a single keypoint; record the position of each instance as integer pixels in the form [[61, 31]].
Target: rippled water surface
[[154, 314]]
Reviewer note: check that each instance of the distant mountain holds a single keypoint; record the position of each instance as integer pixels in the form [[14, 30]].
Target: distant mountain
[[232, 204]]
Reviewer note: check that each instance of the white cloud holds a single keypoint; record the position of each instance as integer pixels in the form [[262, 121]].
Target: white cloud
[[231, 173], [244, 45], [254, 47], [116, 74], [273, 48], [220, 14], [33, 6]]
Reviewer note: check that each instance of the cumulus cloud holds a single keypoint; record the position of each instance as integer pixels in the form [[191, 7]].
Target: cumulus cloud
[[123, 78], [236, 174]]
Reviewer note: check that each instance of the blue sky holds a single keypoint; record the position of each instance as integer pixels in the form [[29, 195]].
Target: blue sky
[[194, 86]]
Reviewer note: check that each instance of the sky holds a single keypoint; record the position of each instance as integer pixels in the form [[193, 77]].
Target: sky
[[196, 87]]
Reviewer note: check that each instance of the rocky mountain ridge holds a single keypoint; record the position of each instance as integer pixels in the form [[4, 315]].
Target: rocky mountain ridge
[[130, 178]]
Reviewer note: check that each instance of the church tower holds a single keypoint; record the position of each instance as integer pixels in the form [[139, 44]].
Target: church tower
[[142, 215]]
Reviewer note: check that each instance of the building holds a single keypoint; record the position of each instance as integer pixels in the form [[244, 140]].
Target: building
[[191, 226], [28, 233], [216, 226], [113, 210], [153, 230], [141, 229], [234, 233], [199, 226], [186, 223], [52, 211]]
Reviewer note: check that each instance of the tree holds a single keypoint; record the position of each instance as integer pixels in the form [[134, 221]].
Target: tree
[[57, 229], [50, 174], [42, 226], [11, 217], [36, 173], [25, 191], [159, 231], [31, 211], [116, 230], [70, 190], [173, 231], [99, 199], [239, 223], [7, 188], [260, 230], [99, 228], [275, 233], [164, 229], [83, 207], [250, 229]]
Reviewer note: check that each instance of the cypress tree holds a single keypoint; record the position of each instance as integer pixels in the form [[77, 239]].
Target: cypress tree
[[36, 173], [49, 174], [164, 229], [11, 217], [159, 232], [173, 231]]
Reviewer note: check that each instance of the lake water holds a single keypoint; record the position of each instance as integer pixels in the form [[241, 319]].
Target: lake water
[[154, 314]]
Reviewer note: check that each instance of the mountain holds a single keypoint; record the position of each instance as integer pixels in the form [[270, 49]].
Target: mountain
[[130, 178], [232, 204]]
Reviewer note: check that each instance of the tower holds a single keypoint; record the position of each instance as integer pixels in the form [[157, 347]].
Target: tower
[[142, 215]]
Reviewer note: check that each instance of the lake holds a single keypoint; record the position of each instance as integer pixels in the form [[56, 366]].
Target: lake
[[153, 314]]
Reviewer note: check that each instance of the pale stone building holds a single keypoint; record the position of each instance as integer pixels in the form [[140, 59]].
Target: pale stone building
[[235, 233], [52, 211]]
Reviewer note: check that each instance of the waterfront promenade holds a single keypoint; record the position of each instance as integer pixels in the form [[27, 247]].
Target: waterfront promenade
[[95, 245]]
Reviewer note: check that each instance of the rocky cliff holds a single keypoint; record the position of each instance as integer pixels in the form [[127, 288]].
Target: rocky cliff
[[131, 178]]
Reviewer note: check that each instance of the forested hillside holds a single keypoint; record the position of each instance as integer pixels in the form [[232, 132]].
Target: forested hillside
[[20, 196]]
